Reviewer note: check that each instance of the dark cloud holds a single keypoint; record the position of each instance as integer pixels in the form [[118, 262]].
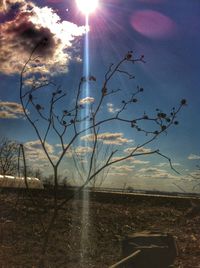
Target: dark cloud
[[35, 27], [29, 36]]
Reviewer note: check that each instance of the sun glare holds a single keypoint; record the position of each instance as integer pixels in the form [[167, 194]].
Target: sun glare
[[87, 6]]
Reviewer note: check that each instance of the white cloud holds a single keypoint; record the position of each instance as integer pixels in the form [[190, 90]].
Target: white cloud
[[36, 145], [79, 151], [137, 150], [194, 157], [155, 173], [82, 150], [152, 170], [131, 160], [10, 110], [139, 162], [111, 108], [35, 152], [117, 174], [86, 100], [122, 168], [166, 164], [110, 138], [59, 145]]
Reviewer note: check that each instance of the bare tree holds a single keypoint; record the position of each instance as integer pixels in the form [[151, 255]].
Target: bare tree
[[102, 152], [8, 157], [79, 121]]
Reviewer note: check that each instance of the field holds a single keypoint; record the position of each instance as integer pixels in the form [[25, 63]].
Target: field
[[111, 218]]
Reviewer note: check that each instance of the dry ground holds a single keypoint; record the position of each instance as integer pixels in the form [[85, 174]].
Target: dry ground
[[111, 218]]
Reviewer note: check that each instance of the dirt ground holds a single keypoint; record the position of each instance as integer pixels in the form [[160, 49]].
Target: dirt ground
[[92, 240]]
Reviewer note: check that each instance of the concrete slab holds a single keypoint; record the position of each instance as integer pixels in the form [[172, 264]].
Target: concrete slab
[[156, 250]]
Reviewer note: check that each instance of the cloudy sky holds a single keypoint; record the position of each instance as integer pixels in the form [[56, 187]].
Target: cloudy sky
[[165, 32]]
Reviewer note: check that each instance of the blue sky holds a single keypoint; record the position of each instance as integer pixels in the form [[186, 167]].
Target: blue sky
[[165, 32]]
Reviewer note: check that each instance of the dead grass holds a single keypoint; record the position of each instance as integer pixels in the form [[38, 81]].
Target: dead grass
[[110, 220]]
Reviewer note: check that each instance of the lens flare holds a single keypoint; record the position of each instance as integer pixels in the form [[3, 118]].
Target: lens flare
[[153, 24], [87, 6]]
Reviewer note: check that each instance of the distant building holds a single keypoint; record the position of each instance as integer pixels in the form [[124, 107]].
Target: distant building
[[7, 181]]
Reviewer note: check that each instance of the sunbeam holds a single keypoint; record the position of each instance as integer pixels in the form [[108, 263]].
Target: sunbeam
[[86, 91], [85, 94]]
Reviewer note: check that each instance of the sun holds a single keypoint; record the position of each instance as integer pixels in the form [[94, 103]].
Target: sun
[[87, 6]]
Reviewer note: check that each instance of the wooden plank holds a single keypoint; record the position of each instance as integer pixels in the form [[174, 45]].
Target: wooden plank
[[134, 254]]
